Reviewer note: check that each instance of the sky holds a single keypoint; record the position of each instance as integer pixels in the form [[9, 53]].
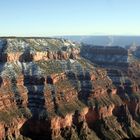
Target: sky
[[69, 17]]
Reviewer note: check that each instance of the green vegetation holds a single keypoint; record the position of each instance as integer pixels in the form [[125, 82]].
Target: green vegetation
[[71, 107], [50, 67], [64, 84], [9, 115], [25, 112]]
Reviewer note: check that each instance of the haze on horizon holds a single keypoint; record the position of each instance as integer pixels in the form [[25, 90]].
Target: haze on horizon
[[73, 17]]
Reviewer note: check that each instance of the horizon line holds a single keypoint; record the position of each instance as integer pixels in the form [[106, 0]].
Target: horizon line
[[50, 36]]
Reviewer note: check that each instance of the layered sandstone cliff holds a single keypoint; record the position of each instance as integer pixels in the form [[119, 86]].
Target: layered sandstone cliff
[[48, 91]]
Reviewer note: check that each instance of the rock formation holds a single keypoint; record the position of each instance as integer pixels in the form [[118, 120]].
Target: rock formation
[[56, 89]]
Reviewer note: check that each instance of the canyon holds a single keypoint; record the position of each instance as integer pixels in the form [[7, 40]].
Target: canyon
[[56, 89]]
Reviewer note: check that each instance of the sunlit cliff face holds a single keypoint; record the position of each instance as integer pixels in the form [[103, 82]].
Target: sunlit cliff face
[[55, 123], [84, 112], [67, 121], [106, 111]]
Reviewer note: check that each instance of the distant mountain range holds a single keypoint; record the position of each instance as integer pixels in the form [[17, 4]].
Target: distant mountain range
[[106, 40]]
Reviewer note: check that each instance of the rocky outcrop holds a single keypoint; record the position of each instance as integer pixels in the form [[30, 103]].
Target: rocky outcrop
[[54, 78], [13, 50], [12, 130]]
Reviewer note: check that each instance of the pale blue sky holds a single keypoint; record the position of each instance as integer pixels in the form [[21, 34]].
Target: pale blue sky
[[69, 17]]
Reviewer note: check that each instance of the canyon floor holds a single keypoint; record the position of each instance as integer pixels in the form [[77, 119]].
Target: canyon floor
[[56, 89]]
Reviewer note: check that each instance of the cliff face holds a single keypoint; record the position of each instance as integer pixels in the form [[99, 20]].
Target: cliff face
[[48, 91], [106, 56]]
